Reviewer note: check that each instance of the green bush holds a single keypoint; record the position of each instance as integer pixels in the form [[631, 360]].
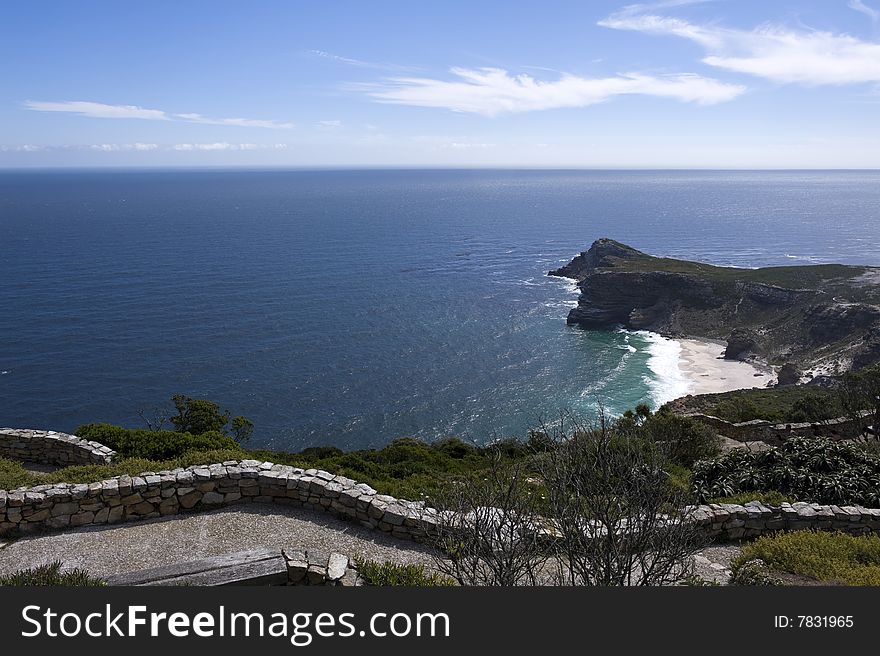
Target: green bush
[[826, 557], [154, 445], [813, 407], [51, 575], [682, 440], [13, 475], [392, 574], [818, 470]]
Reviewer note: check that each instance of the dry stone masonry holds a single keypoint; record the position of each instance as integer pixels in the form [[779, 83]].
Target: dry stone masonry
[[730, 522], [206, 487], [51, 448]]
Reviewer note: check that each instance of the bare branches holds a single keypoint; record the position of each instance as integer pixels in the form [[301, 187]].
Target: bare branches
[[487, 528]]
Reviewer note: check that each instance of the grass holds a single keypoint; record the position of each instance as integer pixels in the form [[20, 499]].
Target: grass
[[772, 498], [51, 575], [392, 574], [834, 558]]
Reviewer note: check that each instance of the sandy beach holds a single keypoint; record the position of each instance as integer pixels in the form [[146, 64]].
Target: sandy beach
[[702, 363]]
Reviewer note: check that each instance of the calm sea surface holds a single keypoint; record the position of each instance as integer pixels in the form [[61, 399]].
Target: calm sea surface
[[350, 308]]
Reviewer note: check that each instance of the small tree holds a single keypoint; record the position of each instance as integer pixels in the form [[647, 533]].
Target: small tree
[[619, 519], [486, 530], [199, 416], [682, 440]]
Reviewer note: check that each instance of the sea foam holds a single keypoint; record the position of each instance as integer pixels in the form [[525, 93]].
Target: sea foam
[[668, 381]]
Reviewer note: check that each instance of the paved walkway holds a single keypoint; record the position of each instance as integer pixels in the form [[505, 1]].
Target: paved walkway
[[104, 551]]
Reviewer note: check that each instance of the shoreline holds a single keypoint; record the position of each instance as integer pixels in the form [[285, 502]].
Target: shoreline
[[702, 363]]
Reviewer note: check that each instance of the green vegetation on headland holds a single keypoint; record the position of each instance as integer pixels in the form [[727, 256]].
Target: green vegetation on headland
[[809, 556]]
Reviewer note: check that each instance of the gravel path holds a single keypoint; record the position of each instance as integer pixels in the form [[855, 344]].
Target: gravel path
[[104, 551], [713, 563]]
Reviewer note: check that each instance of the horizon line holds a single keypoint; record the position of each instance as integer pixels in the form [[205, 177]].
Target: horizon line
[[405, 167]]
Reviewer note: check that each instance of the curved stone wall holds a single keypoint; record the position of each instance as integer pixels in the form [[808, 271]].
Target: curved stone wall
[[51, 448], [205, 487], [731, 522]]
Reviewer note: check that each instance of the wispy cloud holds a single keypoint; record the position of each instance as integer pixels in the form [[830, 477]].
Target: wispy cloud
[[329, 125], [226, 146], [113, 147], [140, 147], [101, 110], [777, 53], [860, 6], [494, 91], [97, 110], [358, 63], [239, 122]]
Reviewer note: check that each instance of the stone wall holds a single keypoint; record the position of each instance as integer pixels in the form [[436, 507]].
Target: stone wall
[[731, 522], [51, 448], [205, 487]]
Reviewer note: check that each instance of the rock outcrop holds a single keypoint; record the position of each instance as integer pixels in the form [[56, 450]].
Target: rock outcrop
[[811, 316]]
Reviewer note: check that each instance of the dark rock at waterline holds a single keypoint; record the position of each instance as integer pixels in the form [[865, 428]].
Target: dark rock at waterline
[[788, 374], [741, 343]]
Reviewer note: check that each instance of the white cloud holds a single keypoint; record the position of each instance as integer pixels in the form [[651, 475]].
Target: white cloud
[[225, 146], [860, 6], [359, 63], [204, 146], [24, 148], [101, 110], [113, 147], [97, 110], [807, 57], [329, 125], [493, 91], [238, 122]]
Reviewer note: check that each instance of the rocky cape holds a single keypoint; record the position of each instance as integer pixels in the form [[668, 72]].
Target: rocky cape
[[809, 320]]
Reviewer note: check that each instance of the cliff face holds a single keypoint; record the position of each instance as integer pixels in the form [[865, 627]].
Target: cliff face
[[815, 316]]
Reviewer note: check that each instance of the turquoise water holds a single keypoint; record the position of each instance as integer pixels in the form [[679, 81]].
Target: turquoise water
[[353, 307]]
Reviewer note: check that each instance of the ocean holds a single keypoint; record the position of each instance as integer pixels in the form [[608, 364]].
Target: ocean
[[350, 308]]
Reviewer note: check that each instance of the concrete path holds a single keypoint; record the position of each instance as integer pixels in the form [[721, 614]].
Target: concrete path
[[104, 551]]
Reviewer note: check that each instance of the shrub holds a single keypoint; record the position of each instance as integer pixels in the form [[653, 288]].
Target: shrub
[[812, 407], [682, 440], [46, 575], [392, 574], [13, 475], [740, 409], [154, 445], [808, 469], [827, 557]]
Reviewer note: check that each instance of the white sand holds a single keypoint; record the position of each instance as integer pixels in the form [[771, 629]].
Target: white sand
[[703, 364]]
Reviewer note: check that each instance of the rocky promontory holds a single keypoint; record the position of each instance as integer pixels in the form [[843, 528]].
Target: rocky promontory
[[818, 318]]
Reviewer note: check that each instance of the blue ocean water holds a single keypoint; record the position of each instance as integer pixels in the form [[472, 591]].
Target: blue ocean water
[[353, 307]]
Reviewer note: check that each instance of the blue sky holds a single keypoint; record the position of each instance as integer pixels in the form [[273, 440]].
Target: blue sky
[[715, 83]]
